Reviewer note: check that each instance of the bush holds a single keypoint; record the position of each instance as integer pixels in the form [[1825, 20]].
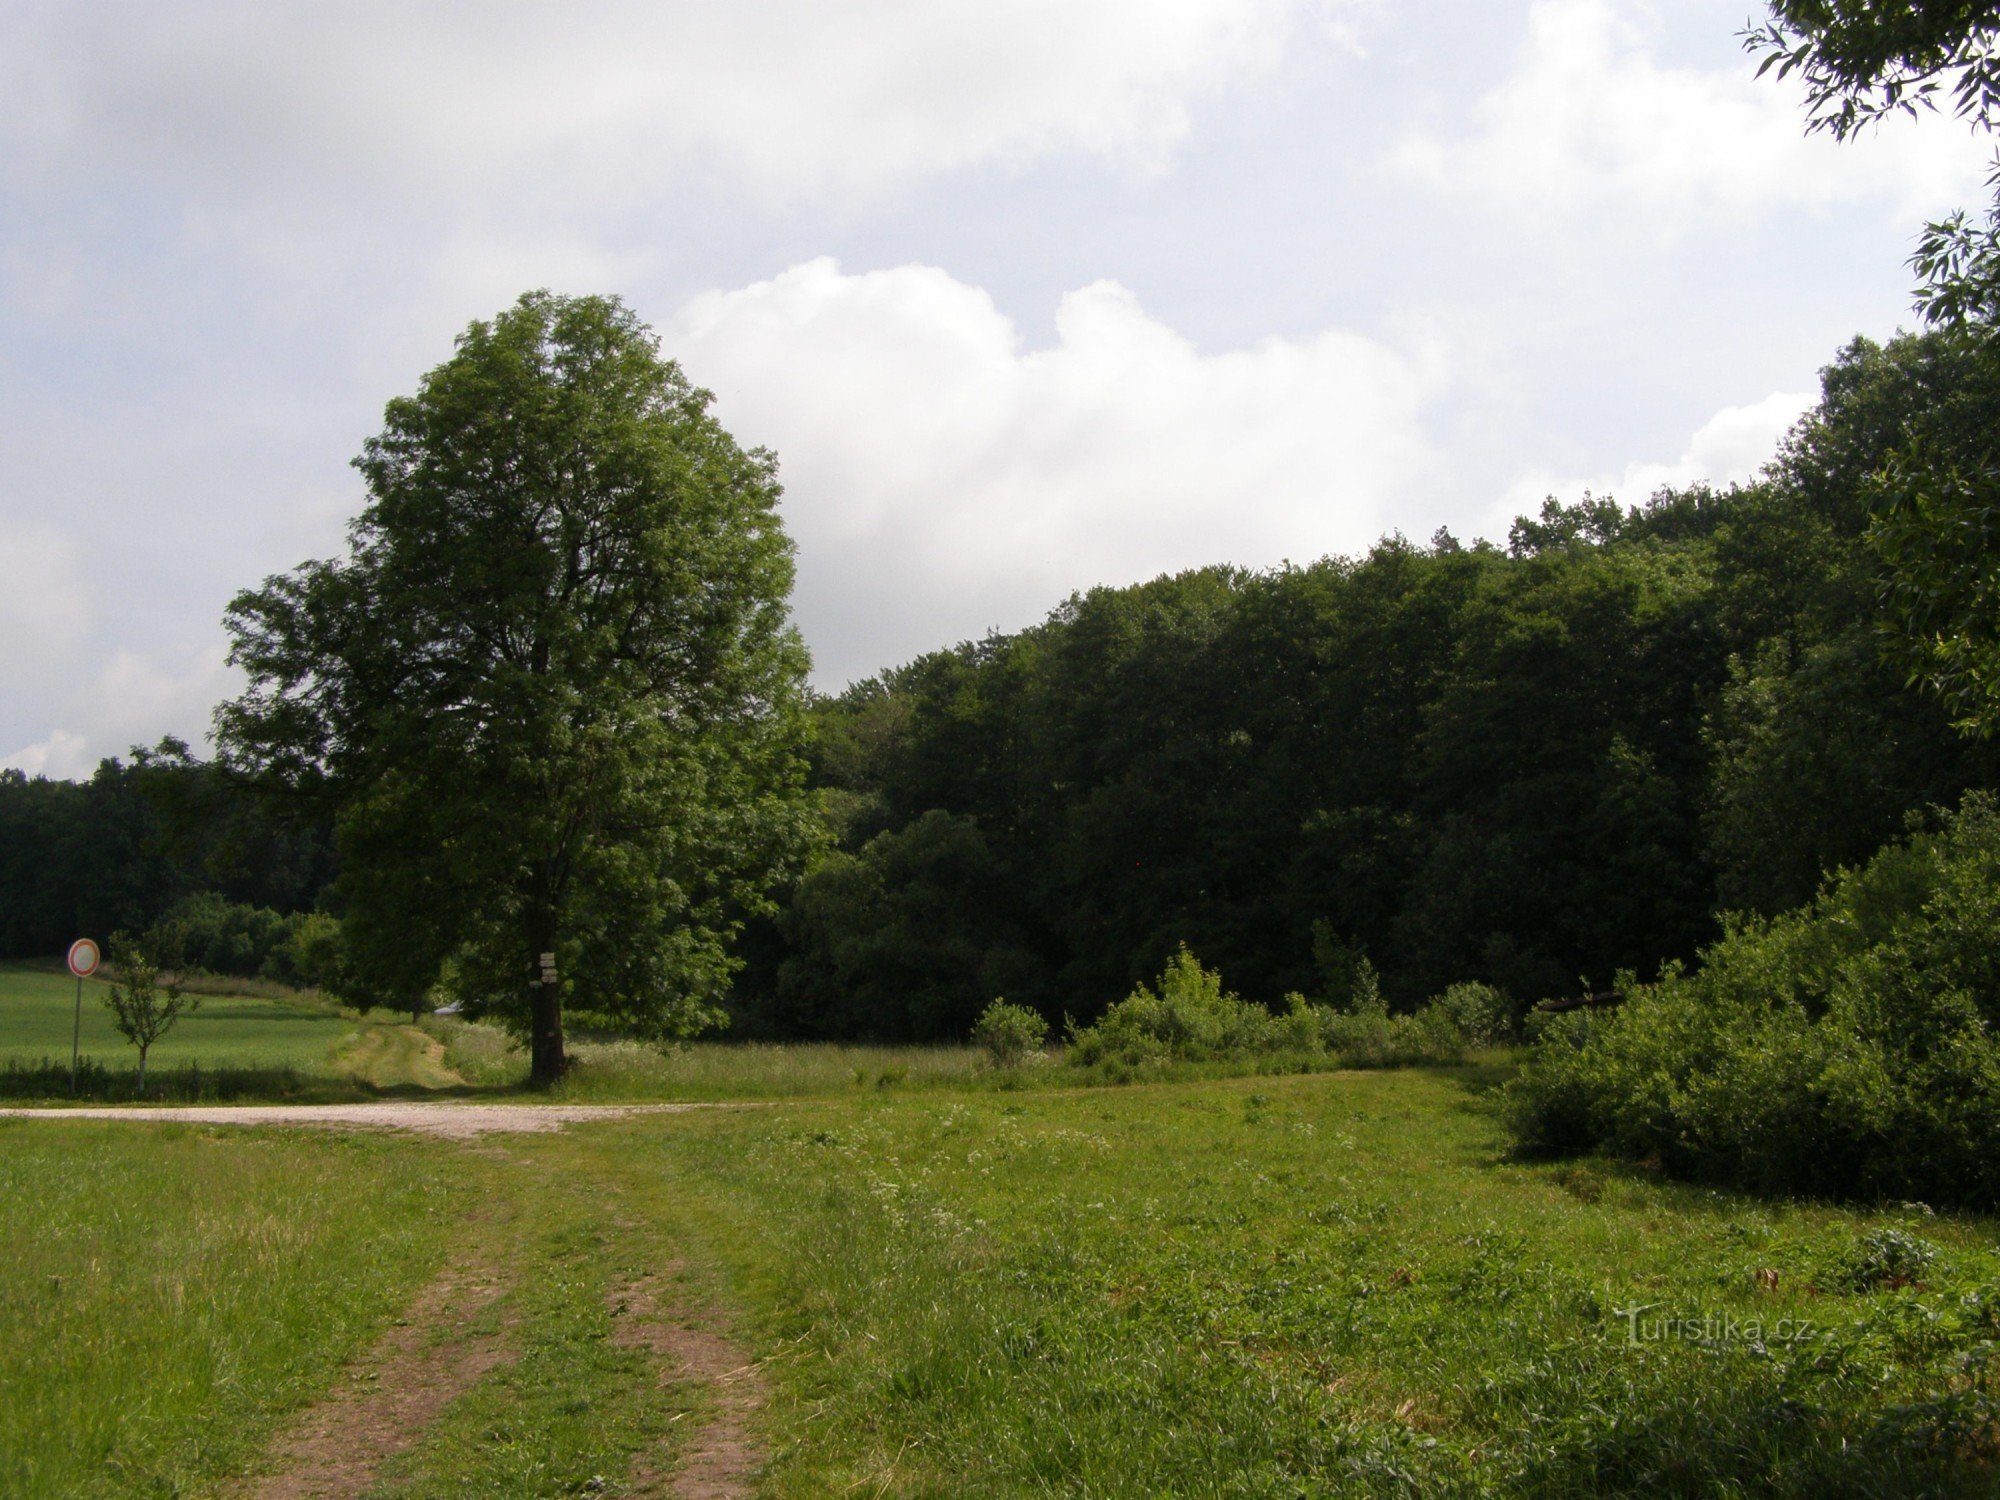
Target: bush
[[209, 934], [1483, 1015], [1189, 1016], [1009, 1033], [1847, 1048]]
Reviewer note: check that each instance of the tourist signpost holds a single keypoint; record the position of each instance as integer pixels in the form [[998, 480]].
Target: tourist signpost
[[83, 961]]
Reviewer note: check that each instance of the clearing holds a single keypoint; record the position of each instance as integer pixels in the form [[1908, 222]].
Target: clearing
[[1323, 1285]]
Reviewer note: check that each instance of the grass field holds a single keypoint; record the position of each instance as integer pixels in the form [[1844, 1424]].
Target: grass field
[[1330, 1284], [37, 1011], [169, 1292], [277, 1045]]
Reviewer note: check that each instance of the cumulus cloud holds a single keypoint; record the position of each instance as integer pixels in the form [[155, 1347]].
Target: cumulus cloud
[[792, 97], [62, 684], [1591, 119], [133, 698], [942, 478], [1731, 447]]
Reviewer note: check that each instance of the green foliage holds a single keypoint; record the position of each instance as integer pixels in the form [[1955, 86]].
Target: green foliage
[[1347, 980], [1846, 1048], [551, 693], [1482, 1015], [1938, 493], [1890, 1256], [906, 939], [1861, 60], [113, 852], [1010, 1033], [208, 934], [1186, 1014], [142, 1008]]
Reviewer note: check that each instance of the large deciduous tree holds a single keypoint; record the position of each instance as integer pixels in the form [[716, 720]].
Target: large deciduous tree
[[1936, 500], [552, 691]]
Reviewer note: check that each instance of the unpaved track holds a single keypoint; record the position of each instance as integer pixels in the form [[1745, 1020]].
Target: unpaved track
[[386, 1402], [721, 1457], [455, 1121]]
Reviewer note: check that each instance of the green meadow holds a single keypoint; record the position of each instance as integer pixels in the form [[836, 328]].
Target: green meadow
[[38, 1009], [1335, 1284]]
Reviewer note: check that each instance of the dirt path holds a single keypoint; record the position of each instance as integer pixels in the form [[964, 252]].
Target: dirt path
[[386, 1055], [456, 1121], [720, 1459], [385, 1402]]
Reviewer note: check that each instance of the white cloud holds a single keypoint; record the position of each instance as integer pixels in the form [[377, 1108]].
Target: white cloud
[[942, 479], [62, 756], [1590, 119], [594, 102], [132, 699], [1731, 447]]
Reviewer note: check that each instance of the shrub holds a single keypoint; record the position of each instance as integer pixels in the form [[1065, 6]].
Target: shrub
[[1483, 1015], [310, 955], [1847, 1048], [1188, 1016], [1009, 1033], [1888, 1257], [209, 934]]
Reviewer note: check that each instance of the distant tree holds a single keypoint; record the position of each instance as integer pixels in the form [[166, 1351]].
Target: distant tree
[[143, 1009], [552, 691]]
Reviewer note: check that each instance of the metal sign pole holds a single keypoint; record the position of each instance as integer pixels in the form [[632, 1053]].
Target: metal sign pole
[[84, 956]]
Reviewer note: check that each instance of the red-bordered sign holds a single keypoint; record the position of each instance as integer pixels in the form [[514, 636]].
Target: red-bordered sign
[[84, 958]]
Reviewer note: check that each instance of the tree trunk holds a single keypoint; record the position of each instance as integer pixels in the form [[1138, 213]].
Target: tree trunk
[[547, 1059]]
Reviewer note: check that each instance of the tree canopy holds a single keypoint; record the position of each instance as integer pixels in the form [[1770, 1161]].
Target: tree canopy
[[551, 691], [1937, 494]]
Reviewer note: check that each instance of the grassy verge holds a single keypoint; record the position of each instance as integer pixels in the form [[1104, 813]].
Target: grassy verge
[[170, 1293]]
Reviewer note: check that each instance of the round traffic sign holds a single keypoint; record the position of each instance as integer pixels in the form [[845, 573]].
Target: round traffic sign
[[83, 958]]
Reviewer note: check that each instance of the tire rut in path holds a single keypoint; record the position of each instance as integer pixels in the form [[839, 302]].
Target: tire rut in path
[[385, 1401], [721, 1458]]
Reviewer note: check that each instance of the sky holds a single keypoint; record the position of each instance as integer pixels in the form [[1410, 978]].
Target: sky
[[1027, 295]]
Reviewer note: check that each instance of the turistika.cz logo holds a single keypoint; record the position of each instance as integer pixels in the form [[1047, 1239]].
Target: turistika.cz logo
[[1648, 1325]]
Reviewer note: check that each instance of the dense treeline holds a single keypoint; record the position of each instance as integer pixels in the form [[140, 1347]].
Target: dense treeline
[[1533, 767], [119, 852]]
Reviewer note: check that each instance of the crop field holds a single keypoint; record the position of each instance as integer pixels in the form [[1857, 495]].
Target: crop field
[[1281, 1286], [233, 1046], [37, 1010]]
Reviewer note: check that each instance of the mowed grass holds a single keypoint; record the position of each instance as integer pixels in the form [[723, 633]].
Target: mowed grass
[[38, 1008], [171, 1292], [1334, 1284]]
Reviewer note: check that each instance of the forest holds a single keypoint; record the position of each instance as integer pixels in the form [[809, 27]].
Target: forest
[[1540, 766]]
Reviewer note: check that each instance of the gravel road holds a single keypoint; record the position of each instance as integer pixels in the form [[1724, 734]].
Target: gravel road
[[456, 1121]]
